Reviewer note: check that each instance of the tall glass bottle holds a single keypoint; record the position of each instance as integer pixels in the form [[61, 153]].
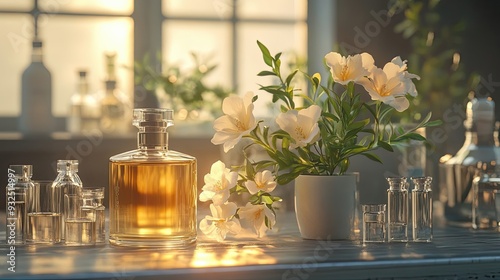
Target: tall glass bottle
[[421, 198], [36, 97], [457, 173], [85, 110], [17, 190], [66, 182], [114, 104], [152, 189], [397, 213]]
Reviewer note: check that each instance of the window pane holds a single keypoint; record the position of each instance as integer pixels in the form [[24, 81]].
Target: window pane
[[198, 8], [21, 5], [289, 39], [73, 43], [206, 39], [115, 7], [16, 54], [275, 9]]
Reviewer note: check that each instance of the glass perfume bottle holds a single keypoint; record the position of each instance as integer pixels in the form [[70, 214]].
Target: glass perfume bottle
[[36, 97], [67, 182], [85, 111], [421, 197], [457, 172], [16, 202], [114, 104], [397, 212], [152, 189]]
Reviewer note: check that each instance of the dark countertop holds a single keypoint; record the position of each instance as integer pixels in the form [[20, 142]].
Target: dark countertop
[[455, 253]]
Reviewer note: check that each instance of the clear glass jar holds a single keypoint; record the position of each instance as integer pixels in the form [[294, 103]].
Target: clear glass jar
[[421, 197], [374, 223], [19, 182], [92, 204], [152, 189], [397, 212], [67, 182]]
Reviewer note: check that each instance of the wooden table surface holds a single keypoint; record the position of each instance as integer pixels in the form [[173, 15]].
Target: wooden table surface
[[455, 253]]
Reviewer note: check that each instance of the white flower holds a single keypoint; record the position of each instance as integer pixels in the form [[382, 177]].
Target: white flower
[[263, 181], [387, 85], [218, 183], [350, 68], [257, 214], [237, 121], [302, 125], [409, 85], [221, 222]]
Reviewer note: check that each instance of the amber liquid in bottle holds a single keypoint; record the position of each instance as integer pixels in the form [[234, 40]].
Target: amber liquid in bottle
[[152, 198]]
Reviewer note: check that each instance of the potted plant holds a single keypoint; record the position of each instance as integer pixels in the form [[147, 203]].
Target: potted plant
[[313, 144]]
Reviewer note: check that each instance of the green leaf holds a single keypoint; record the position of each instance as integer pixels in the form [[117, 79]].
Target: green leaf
[[268, 59], [266, 199], [249, 169], [255, 98], [415, 136], [266, 73], [386, 146], [434, 123], [290, 77], [373, 157]]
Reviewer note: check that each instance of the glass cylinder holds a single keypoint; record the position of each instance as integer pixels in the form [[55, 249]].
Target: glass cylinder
[[152, 189], [43, 223], [92, 205], [397, 213], [486, 197], [79, 221], [374, 223], [19, 181], [67, 182], [421, 197]]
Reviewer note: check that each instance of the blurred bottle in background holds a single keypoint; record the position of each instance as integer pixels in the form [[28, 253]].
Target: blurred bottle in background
[[85, 110]]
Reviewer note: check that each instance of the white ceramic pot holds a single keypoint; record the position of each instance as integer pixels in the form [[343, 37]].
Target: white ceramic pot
[[324, 206]]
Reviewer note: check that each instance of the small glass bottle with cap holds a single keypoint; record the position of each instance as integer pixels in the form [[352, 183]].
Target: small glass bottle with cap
[[152, 196], [67, 182], [19, 183], [397, 212], [421, 197]]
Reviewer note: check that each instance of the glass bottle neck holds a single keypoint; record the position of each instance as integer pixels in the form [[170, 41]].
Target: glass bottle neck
[[152, 140], [37, 55]]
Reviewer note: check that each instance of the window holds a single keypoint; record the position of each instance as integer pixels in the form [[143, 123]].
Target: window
[[77, 34]]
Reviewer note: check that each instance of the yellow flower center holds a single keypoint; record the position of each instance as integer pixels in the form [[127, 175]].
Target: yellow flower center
[[344, 73], [239, 124], [383, 91], [300, 132], [218, 185], [257, 214]]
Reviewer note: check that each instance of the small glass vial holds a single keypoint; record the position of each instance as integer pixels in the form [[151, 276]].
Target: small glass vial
[[152, 189], [79, 221], [486, 198], [421, 197], [397, 213], [19, 182], [92, 205], [374, 223], [67, 182]]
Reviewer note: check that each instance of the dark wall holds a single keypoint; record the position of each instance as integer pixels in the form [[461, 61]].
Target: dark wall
[[363, 26]]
